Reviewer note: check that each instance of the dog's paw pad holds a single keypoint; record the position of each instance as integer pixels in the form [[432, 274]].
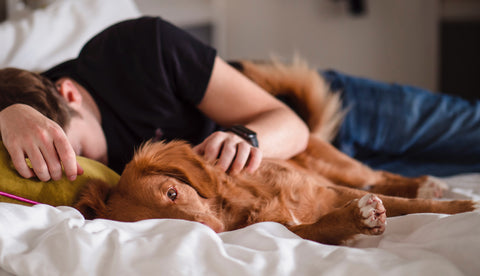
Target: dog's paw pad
[[373, 213], [432, 188]]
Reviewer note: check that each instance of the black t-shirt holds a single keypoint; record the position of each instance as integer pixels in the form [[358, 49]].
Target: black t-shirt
[[147, 76]]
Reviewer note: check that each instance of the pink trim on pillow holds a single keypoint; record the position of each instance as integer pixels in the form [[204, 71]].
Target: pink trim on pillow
[[18, 198]]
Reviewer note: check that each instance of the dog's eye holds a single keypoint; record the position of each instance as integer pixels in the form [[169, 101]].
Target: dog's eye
[[172, 193]]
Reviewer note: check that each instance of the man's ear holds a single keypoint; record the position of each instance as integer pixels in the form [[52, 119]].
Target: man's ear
[[69, 91], [92, 199]]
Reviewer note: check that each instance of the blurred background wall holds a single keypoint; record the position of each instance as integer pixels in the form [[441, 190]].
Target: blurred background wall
[[389, 40]]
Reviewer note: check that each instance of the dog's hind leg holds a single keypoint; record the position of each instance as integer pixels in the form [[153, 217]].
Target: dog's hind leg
[[367, 215], [401, 206], [397, 206], [324, 159], [360, 216]]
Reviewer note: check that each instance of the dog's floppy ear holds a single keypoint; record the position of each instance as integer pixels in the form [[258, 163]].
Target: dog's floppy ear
[[177, 159], [92, 199], [196, 174]]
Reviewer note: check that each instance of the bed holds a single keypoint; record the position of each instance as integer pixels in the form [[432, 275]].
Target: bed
[[47, 240]]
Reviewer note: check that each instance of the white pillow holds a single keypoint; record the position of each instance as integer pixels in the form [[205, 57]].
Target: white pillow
[[56, 33]]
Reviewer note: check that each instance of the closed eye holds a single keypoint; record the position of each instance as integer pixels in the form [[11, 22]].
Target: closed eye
[[172, 193]]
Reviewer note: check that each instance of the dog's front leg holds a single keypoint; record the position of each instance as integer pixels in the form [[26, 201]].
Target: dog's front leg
[[366, 215]]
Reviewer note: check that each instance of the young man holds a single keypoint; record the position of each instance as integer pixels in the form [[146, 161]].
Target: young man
[[143, 79]]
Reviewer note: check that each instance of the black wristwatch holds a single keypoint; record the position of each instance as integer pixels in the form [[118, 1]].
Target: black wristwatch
[[247, 134]]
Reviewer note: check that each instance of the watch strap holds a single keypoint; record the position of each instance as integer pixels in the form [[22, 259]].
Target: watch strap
[[247, 134]]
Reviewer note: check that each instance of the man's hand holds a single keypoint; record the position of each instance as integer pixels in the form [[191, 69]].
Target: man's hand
[[28, 133], [230, 152]]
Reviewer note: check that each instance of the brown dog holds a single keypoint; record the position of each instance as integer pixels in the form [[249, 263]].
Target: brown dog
[[321, 194]]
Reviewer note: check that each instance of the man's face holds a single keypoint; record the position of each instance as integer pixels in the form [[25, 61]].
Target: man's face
[[84, 131], [86, 136]]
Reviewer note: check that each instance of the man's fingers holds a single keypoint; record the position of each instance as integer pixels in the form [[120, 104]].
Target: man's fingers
[[25, 132], [212, 147], [255, 159], [53, 163], [20, 164], [38, 164], [80, 170], [229, 150], [68, 158], [241, 157]]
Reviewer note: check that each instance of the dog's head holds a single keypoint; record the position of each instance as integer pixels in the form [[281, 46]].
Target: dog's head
[[163, 180]]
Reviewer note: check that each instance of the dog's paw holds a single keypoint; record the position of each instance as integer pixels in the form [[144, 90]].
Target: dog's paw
[[432, 188], [476, 206], [374, 217]]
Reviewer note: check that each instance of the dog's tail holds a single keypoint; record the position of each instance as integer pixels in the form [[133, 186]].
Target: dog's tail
[[300, 87]]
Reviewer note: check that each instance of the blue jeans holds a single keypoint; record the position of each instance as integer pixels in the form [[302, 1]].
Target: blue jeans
[[407, 130]]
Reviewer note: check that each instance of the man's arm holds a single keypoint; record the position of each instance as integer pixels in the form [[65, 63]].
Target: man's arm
[[230, 99]]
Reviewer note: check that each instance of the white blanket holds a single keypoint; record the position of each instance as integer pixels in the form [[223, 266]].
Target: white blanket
[[45, 240]]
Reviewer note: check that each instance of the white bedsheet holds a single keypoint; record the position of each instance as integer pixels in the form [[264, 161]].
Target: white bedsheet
[[44, 240]]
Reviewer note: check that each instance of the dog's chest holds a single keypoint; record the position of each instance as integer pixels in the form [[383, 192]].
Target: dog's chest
[[277, 192], [286, 207]]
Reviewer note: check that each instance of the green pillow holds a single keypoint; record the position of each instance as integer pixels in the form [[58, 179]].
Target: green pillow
[[55, 193]]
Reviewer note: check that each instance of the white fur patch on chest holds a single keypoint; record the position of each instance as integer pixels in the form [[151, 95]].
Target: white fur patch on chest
[[294, 220]]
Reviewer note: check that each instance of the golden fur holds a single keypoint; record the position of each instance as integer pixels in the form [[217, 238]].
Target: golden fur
[[320, 194]]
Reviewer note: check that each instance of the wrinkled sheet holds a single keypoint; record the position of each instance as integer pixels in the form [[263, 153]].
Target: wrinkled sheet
[[44, 240]]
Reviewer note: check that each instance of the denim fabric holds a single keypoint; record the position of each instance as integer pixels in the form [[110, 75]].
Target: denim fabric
[[405, 129]]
